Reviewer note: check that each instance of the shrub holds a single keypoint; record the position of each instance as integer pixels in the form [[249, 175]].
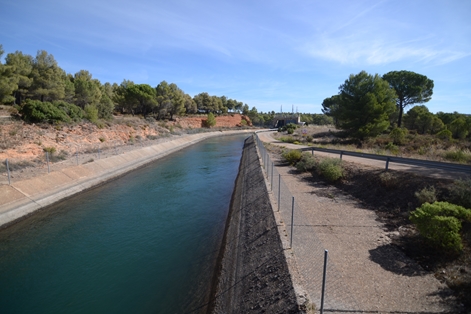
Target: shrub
[[50, 150], [426, 195], [444, 135], [398, 135], [287, 139], [393, 149], [37, 111], [307, 163], [91, 113], [210, 121], [292, 156], [440, 224], [460, 155], [460, 193], [74, 112], [388, 180], [330, 169]]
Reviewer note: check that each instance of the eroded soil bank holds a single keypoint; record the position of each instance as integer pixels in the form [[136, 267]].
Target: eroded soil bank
[[253, 275]]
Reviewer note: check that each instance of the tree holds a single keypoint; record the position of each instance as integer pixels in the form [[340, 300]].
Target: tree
[[48, 83], [411, 88], [203, 102], [421, 119], [330, 107], [365, 104], [87, 90], [190, 104], [22, 67], [141, 97]]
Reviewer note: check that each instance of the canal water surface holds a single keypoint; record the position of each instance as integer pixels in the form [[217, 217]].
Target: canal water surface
[[144, 243]]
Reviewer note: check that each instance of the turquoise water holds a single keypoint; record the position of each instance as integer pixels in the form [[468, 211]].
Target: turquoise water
[[145, 243]]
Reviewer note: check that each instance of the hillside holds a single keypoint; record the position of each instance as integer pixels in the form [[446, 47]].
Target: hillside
[[21, 141]]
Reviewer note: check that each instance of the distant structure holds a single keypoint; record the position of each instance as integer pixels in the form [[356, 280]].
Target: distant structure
[[282, 119]]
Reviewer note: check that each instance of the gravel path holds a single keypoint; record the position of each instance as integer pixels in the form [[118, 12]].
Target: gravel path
[[366, 273]]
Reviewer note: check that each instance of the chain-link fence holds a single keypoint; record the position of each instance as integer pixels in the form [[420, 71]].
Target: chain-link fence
[[19, 168], [305, 244]]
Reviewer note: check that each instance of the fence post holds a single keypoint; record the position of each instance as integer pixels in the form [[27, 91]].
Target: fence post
[[292, 221], [272, 175], [341, 153], [47, 160], [323, 281], [8, 171], [279, 191], [387, 163], [312, 151]]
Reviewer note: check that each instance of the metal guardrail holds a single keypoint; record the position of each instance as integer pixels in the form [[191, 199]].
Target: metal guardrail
[[399, 160]]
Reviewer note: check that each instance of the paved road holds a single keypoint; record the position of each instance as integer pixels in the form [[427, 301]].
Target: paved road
[[429, 172]]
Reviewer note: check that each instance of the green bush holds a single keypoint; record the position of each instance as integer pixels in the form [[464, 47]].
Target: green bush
[[91, 113], [440, 224], [307, 163], [210, 121], [36, 111], [331, 169], [74, 112], [287, 139], [460, 155], [393, 149], [426, 195], [398, 135], [444, 135], [460, 193], [292, 156]]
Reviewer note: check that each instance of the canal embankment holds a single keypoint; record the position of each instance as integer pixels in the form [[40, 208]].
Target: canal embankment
[[253, 275], [24, 197]]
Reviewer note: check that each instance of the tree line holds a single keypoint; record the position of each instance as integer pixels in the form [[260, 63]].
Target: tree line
[[41, 90], [368, 105]]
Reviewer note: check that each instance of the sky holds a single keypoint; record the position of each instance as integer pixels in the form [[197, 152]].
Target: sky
[[270, 54]]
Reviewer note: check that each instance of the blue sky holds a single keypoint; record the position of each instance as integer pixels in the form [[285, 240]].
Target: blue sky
[[268, 54]]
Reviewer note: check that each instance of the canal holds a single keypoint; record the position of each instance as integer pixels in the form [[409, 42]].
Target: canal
[[144, 243]]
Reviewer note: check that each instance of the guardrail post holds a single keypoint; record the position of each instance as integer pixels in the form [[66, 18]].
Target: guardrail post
[[312, 151], [387, 163], [272, 175], [8, 171], [341, 153]]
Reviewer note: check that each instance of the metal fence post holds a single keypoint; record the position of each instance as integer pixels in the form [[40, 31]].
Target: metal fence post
[[279, 191], [387, 163], [272, 175], [323, 281], [312, 151], [47, 160], [292, 221], [8, 171], [341, 153]]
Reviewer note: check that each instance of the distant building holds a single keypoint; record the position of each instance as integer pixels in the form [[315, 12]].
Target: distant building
[[283, 119]]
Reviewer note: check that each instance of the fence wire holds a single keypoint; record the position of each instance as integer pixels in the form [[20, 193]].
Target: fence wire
[[20, 168], [306, 246]]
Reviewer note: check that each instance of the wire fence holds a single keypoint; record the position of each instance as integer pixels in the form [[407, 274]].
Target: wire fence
[[305, 244], [19, 168]]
